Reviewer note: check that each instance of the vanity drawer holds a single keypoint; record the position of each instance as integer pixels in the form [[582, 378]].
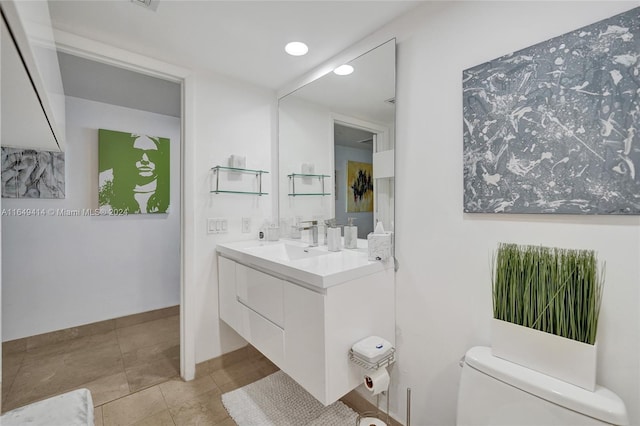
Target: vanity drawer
[[261, 293], [264, 335]]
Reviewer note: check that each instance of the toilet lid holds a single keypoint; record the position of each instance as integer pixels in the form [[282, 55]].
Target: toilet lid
[[602, 404]]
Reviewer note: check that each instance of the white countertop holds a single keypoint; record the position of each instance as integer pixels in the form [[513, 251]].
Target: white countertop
[[323, 269]]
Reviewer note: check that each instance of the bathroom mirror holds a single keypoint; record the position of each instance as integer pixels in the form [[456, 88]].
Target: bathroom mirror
[[336, 146]]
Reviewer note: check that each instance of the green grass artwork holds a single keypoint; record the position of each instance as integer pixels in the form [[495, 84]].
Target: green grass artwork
[[558, 291]]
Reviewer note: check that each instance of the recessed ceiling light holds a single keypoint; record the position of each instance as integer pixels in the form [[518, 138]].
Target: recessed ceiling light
[[296, 48], [343, 70]]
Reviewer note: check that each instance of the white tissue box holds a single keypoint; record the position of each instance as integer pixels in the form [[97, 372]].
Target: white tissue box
[[372, 349], [379, 246]]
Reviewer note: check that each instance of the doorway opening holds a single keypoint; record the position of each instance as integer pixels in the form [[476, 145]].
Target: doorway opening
[[353, 159], [109, 309]]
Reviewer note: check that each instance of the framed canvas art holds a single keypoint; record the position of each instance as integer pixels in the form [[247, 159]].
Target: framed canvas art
[[359, 187], [133, 172], [30, 173], [555, 127]]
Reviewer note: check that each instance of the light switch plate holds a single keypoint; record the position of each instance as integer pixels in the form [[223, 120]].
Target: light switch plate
[[246, 225], [211, 226], [217, 225]]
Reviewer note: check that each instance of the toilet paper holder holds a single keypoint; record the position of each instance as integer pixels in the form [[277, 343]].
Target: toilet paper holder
[[385, 361], [372, 353]]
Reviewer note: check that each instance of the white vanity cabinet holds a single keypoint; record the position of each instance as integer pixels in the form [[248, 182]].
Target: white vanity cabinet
[[305, 330], [251, 302]]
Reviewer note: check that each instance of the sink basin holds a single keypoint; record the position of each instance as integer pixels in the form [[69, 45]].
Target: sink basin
[[298, 263], [286, 252]]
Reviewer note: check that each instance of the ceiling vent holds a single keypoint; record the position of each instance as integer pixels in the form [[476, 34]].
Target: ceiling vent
[[391, 101], [147, 4]]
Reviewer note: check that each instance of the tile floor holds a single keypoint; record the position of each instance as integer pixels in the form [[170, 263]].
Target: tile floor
[[133, 375]]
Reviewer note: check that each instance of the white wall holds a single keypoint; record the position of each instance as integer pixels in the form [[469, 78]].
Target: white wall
[[64, 271], [305, 136], [343, 154], [230, 118], [443, 286]]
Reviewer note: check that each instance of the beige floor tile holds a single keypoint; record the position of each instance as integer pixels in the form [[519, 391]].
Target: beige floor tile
[[152, 373], [11, 364], [47, 339], [45, 353], [133, 408], [228, 359], [149, 333], [202, 369], [12, 346], [227, 422], [93, 342], [52, 372], [103, 357], [107, 389], [205, 409], [253, 353], [265, 366], [234, 372], [57, 363], [97, 416], [69, 334], [241, 381], [7, 382], [164, 350], [160, 419], [89, 365], [177, 392], [37, 381]]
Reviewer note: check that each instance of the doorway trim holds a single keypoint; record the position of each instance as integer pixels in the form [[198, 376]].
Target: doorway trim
[[104, 53], [381, 142]]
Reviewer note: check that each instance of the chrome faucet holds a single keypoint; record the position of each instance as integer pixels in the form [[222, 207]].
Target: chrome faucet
[[314, 231]]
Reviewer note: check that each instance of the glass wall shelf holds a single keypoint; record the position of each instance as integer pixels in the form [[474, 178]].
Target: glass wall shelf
[[258, 173], [292, 177]]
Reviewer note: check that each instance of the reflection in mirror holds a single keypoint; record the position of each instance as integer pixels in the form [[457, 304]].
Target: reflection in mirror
[[336, 147]]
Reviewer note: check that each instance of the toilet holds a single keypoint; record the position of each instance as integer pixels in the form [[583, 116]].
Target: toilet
[[494, 391]]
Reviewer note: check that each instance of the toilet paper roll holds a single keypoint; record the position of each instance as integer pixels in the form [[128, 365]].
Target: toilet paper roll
[[372, 421], [377, 381]]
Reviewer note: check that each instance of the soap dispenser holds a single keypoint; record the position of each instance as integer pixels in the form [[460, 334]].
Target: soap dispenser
[[350, 234]]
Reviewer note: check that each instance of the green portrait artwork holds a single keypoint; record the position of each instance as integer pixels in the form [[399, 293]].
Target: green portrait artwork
[[133, 173]]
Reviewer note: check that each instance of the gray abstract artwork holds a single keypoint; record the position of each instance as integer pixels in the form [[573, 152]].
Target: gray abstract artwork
[[555, 127], [27, 173]]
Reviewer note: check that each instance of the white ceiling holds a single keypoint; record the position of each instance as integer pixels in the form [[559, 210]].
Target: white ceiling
[[242, 39], [362, 94]]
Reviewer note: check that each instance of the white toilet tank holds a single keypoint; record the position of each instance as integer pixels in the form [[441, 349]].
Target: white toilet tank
[[498, 392]]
